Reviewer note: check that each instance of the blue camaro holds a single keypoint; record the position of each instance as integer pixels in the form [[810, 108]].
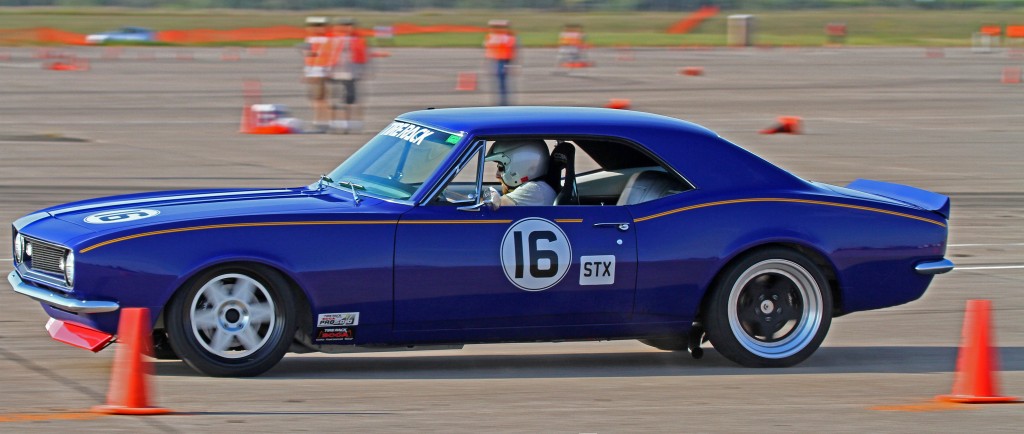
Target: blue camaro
[[659, 230]]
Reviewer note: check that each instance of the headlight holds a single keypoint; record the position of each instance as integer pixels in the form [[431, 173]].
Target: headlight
[[19, 248], [67, 264]]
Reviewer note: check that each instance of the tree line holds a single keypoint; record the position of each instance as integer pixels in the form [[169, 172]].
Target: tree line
[[557, 5]]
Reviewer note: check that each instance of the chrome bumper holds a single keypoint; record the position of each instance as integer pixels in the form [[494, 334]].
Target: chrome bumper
[[934, 267], [58, 301]]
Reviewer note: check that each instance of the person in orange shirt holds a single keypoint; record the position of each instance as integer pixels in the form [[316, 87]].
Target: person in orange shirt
[[315, 70], [500, 48], [571, 45], [348, 66]]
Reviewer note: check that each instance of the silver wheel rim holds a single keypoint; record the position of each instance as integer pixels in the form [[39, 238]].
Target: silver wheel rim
[[775, 308], [232, 316]]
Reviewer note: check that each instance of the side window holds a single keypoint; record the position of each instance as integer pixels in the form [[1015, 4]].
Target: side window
[[618, 173], [604, 172], [461, 190]]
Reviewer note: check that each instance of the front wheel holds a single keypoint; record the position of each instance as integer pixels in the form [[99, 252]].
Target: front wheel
[[772, 308], [232, 321]]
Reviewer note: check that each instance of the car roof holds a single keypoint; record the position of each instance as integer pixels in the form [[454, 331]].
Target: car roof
[[542, 119], [698, 153]]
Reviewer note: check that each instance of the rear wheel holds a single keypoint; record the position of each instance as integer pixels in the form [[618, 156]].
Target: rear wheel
[[772, 308], [232, 321]]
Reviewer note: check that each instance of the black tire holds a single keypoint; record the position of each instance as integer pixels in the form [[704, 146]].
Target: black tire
[[771, 308], [232, 321]]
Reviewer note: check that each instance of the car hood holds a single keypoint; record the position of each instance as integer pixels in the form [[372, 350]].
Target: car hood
[[64, 223]]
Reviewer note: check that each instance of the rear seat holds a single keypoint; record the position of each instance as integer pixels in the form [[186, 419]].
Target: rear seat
[[646, 186]]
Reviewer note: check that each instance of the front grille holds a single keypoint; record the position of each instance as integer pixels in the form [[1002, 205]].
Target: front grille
[[45, 257]]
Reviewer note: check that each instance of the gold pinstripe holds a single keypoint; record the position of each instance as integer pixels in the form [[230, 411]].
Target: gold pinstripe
[[297, 223], [781, 199], [452, 222], [426, 222], [235, 225]]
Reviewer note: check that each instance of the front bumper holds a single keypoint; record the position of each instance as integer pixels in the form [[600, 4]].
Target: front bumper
[[59, 301]]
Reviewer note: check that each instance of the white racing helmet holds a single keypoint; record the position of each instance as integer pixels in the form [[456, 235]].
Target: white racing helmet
[[524, 160]]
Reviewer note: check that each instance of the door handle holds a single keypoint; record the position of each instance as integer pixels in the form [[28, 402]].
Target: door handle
[[621, 226]]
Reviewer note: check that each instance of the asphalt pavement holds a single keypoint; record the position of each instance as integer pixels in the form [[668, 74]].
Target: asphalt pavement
[[168, 118]]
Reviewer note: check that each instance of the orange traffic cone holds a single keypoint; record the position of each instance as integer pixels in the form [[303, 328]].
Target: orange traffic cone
[[934, 53], [231, 54], [625, 53], [577, 64], [692, 71], [129, 383], [1011, 75], [618, 103], [68, 64], [251, 92], [786, 124], [977, 362], [248, 120], [466, 81]]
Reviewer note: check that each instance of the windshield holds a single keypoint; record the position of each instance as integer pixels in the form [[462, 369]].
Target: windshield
[[396, 162]]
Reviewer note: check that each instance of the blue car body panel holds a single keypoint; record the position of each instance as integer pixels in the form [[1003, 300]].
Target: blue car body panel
[[426, 274]]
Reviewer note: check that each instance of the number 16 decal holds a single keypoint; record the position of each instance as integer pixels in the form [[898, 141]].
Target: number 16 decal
[[535, 254]]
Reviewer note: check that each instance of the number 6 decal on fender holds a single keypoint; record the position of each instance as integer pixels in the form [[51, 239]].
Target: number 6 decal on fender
[[120, 216], [535, 254]]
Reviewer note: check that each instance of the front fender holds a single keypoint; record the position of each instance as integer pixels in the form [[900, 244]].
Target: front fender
[[343, 266]]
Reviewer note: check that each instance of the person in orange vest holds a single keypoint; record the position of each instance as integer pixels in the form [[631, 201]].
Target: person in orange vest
[[315, 70], [500, 48], [571, 46], [348, 66]]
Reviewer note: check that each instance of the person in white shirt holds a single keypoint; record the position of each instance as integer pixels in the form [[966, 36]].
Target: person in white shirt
[[522, 165]]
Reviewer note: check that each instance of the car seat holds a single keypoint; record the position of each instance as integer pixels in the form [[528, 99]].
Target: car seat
[[563, 158], [647, 185]]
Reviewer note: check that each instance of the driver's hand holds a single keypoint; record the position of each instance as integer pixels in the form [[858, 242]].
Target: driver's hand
[[494, 198]]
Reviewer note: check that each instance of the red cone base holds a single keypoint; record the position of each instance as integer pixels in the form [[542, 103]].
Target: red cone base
[[977, 362], [466, 81], [618, 104], [785, 125]]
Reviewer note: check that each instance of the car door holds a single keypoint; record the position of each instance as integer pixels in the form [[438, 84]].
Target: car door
[[518, 266]]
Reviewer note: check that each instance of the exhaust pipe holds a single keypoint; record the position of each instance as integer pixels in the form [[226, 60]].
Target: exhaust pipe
[[693, 341]]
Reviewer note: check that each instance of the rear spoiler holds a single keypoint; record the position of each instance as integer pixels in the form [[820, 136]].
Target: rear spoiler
[[904, 193]]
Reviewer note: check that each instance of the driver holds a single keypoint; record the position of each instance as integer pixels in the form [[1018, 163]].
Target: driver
[[522, 165]]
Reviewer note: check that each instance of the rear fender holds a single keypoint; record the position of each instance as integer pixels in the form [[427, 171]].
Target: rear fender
[[904, 193]]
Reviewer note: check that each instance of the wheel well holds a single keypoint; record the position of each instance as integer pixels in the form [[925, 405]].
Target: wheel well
[[302, 303], [815, 256]]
